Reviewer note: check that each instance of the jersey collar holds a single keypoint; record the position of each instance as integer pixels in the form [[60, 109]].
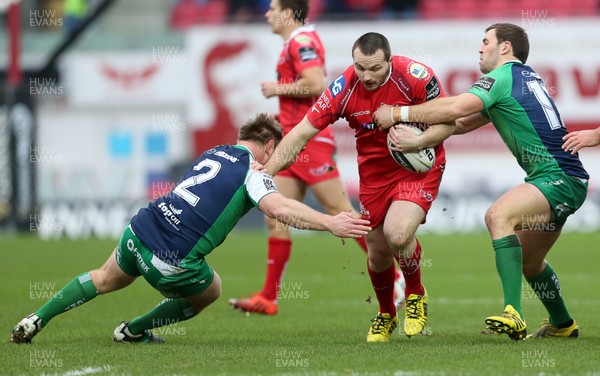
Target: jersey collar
[[388, 76], [302, 29], [248, 150], [517, 61]]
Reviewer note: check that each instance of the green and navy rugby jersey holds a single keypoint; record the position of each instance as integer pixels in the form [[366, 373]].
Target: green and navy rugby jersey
[[197, 215], [518, 104]]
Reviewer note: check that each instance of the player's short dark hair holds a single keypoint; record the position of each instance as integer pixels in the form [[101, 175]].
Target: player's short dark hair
[[262, 128], [516, 35], [299, 8], [370, 43]]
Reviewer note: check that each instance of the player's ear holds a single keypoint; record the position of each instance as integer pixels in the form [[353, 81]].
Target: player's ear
[[506, 47], [270, 148]]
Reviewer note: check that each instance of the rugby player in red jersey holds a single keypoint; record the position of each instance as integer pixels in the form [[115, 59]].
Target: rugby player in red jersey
[[300, 81], [395, 200]]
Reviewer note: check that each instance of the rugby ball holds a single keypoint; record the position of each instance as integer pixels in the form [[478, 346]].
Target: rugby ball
[[419, 161]]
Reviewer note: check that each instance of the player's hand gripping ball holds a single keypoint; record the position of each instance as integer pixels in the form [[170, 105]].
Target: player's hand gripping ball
[[419, 161]]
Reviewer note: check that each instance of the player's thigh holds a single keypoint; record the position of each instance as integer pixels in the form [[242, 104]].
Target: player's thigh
[[536, 245], [401, 223], [110, 276], [206, 297], [332, 196], [524, 205]]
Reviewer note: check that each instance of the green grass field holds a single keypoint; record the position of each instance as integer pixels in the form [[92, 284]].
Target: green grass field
[[321, 326]]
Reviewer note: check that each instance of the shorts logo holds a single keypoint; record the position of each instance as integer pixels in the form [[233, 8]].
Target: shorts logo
[[432, 89], [562, 209], [418, 71], [426, 195], [321, 170], [364, 212], [337, 86], [484, 83]]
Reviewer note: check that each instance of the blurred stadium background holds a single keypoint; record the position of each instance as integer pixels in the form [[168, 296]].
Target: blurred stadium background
[[102, 102]]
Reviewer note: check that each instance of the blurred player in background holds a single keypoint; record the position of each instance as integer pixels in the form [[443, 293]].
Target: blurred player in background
[[395, 200], [527, 220], [300, 81], [167, 242], [578, 140]]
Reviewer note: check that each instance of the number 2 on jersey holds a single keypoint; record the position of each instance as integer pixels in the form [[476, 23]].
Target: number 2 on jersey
[[182, 189]]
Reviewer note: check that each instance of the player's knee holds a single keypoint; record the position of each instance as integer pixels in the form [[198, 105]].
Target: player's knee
[[532, 267], [101, 281], [213, 292], [495, 220], [399, 241]]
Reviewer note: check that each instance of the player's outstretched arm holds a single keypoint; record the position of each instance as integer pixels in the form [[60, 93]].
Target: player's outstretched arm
[[470, 123], [578, 140], [435, 111], [290, 146], [298, 215]]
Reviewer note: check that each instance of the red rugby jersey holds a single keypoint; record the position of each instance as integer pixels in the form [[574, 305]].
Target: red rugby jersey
[[302, 50], [409, 83]]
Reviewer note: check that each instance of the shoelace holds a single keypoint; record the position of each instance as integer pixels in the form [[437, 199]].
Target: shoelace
[[379, 324], [413, 308]]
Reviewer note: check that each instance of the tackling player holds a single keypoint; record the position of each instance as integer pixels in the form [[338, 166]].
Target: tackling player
[[300, 81], [395, 200], [167, 242], [527, 220]]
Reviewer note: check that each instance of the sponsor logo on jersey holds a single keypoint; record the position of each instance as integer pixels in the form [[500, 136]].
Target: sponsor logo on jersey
[[303, 39], [323, 103], [484, 83], [360, 113], [170, 214], [307, 53], [175, 211], [368, 126], [269, 184], [401, 83], [230, 158], [337, 86], [432, 89], [418, 71], [526, 73]]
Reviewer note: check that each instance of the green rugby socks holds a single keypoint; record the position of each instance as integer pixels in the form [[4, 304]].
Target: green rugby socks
[[509, 263], [167, 312], [547, 289], [80, 290]]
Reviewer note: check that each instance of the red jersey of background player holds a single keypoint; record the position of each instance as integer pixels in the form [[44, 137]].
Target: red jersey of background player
[[409, 83], [302, 50]]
